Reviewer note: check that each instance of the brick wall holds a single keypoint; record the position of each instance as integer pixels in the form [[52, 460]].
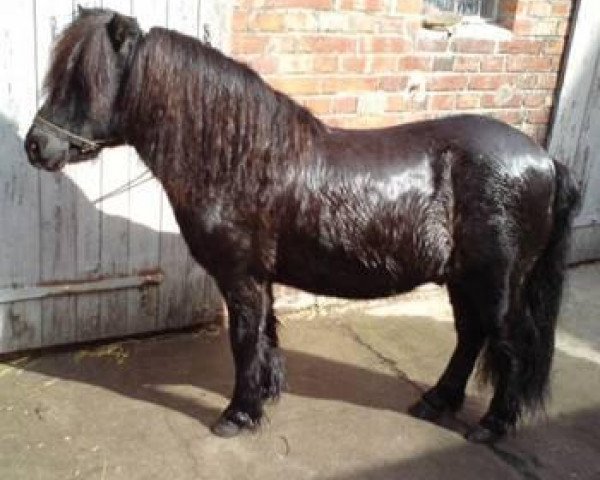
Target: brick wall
[[367, 63]]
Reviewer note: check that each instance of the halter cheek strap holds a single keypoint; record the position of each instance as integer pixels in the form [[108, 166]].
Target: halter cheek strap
[[86, 145]]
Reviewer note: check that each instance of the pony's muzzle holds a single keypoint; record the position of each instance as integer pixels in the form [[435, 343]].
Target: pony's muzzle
[[45, 151]]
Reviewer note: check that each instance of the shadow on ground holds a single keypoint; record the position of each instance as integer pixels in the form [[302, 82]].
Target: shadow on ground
[[567, 447], [343, 417], [203, 360]]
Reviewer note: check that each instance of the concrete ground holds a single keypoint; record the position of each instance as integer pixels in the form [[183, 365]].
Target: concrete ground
[[141, 409]]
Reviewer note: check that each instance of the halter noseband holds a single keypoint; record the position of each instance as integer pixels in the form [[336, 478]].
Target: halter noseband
[[86, 145]]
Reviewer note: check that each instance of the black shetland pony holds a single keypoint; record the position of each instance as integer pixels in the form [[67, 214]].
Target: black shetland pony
[[264, 192]]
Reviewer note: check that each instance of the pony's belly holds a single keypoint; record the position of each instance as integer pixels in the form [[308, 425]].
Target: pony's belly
[[327, 273]]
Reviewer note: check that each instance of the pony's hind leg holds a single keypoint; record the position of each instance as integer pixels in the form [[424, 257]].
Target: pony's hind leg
[[248, 303], [503, 364], [273, 374], [449, 392]]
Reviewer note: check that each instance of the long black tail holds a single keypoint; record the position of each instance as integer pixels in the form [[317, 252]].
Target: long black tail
[[534, 347]]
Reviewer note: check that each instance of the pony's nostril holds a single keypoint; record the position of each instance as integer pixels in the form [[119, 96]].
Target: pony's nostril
[[33, 150]]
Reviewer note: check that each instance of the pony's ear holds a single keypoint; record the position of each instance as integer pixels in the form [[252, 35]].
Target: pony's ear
[[119, 29]]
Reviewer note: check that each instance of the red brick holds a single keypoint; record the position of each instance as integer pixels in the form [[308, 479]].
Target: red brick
[[527, 81], [267, 22], [512, 117], [349, 84], [414, 63], [294, 63], [442, 102], [443, 63], [532, 47], [325, 63], [539, 9], [249, 44], [554, 47], [468, 45], [497, 101], [344, 104], [317, 105], [526, 63], [296, 85], [393, 84], [329, 44], [492, 64], [464, 63], [285, 44], [562, 9], [389, 45], [545, 28], [489, 82], [354, 64], [409, 7], [523, 26], [547, 80], [398, 103], [384, 63], [447, 83], [430, 45], [534, 100], [239, 20], [373, 5], [360, 22], [264, 64], [538, 116], [316, 4], [468, 101], [300, 21]]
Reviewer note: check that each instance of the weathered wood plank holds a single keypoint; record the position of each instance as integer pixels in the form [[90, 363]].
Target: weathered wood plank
[[114, 242], [574, 139], [146, 208], [58, 207], [20, 324], [577, 82], [58, 289]]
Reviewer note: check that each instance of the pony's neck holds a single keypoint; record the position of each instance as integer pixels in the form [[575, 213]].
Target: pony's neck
[[193, 113]]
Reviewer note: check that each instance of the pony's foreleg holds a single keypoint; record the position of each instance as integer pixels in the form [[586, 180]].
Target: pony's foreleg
[[449, 392], [273, 374], [248, 303]]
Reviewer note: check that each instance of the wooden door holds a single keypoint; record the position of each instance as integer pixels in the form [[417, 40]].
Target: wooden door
[[575, 134], [76, 265]]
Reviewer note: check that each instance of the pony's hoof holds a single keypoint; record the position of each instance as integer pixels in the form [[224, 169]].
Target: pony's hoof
[[229, 425], [425, 411], [480, 434], [225, 428]]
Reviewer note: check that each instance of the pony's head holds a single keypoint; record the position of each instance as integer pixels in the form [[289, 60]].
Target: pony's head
[[80, 115]]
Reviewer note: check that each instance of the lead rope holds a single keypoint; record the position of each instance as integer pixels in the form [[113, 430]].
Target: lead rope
[[135, 182]]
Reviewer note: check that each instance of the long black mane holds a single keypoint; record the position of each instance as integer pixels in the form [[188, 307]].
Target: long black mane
[[209, 112]]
